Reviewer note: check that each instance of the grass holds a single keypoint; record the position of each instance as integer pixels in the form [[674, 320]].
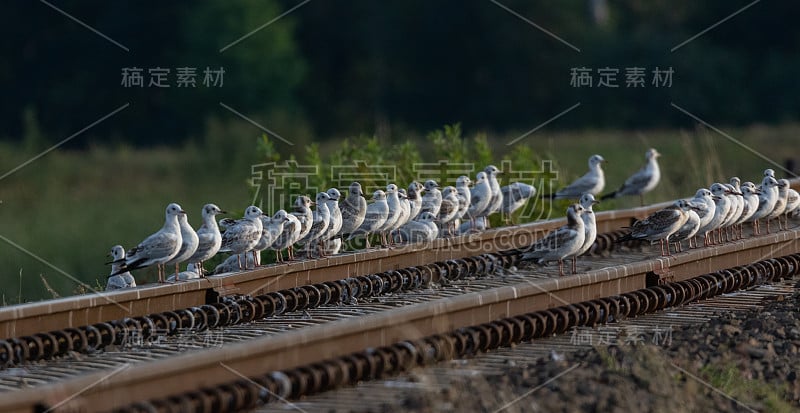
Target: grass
[[69, 207], [730, 381]]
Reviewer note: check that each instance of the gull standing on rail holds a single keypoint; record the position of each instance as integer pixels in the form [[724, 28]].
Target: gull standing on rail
[[792, 204], [767, 198], [587, 201], [395, 212], [643, 181], [158, 248], [303, 212], [189, 243], [272, 227], [415, 199], [497, 193], [591, 182], [780, 203], [120, 280], [464, 195], [405, 212], [689, 229], [750, 205], [480, 196], [660, 225], [320, 221], [421, 229], [722, 205], [374, 218], [432, 198], [448, 211], [353, 209], [242, 235], [515, 196], [336, 221], [704, 206], [209, 239], [288, 237], [560, 243]]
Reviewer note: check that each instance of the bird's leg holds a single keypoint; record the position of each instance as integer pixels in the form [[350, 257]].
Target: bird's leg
[[768, 225], [486, 222], [366, 240], [177, 270], [575, 264], [560, 267]]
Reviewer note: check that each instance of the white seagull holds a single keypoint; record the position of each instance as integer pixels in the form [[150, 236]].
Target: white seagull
[[158, 248], [480, 196], [242, 235], [643, 181], [421, 229], [660, 225], [497, 194], [272, 228], [448, 211], [689, 229], [515, 196], [591, 182], [320, 221], [374, 218], [587, 201], [120, 280], [288, 237], [704, 206], [560, 243], [767, 198], [209, 239], [189, 243], [432, 198], [780, 203], [415, 199], [464, 195], [353, 209], [722, 205]]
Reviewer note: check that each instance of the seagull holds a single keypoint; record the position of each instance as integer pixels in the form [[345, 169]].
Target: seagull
[[421, 229], [272, 228], [403, 216], [189, 242], [288, 237], [480, 196], [767, 198], [374, 218], [704, 206], [737, 197], [689, 229], [464, 195], [660, 225], [514, 197], [232, 263], [737, 205], [432, 198], [242, 235], [643, 181], [353, 209], [591, 182], [335, 223], [395, 212], [121, 279], [319, 226], [749, 207], [560, 243], [158, 248], [722, 205], [792, 204], [209, 239], [448, 210], [587, 201], [303, 212], [497, 194], [192, 272], [780, 203], [415, 198]]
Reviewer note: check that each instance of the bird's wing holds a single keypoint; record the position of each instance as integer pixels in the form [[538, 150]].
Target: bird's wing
[[160, 244], [578, 187], [636, 181]]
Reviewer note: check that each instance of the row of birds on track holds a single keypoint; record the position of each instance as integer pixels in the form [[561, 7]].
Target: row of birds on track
[[421, 213], [716, 214]]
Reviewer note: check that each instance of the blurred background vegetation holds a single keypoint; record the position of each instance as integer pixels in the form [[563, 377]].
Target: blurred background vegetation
[[384, 82]]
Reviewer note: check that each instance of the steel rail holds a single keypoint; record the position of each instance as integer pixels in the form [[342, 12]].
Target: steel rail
[[194, 370]]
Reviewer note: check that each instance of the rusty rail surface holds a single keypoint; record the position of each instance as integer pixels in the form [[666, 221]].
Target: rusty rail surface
[[28, 319], [194, 370]]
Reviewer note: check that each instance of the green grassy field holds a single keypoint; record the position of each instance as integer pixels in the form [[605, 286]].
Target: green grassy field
[[69, 207]]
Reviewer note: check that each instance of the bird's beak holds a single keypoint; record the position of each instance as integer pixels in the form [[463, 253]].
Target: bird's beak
[[595, 202], [183, 212], [223, 212], [361, 194]]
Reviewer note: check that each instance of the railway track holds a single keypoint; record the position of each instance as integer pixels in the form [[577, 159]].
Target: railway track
[[321, 310]]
